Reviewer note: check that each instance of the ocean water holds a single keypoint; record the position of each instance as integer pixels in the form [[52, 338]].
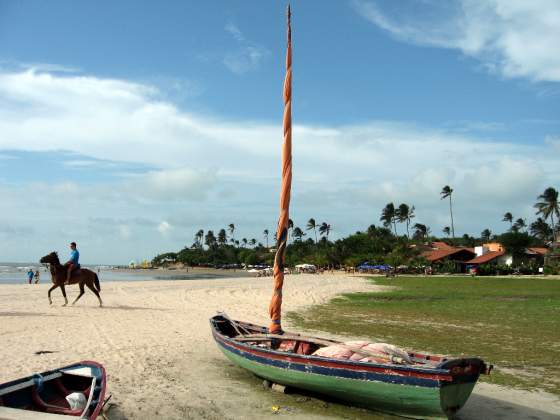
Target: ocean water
[[16, 273]]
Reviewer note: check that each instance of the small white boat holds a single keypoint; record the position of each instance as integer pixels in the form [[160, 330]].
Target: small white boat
[[76, 391]]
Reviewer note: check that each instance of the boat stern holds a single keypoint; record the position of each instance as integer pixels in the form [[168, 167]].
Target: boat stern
[[465, 373]]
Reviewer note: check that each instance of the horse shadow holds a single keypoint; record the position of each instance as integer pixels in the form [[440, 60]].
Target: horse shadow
[[133, 308]]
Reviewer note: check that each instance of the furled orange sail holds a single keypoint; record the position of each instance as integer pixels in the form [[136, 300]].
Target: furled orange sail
[[275, 307]]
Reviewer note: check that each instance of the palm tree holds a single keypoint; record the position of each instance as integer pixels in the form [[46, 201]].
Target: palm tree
[[298, 233], [405, 214], [486, 234], [231, 229], [210, 239], [244, 241], [388, 216], [325, 229], [312, 225], [253, 242], [519, 225], [198, 237], [540, 229], [447, 230], [508, 217], [549, 206], [421, 231], [447, 191], [265, 233], [290, 228], [222, 237]]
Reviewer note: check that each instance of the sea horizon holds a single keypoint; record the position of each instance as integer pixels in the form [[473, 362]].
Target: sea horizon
[[16, 273]]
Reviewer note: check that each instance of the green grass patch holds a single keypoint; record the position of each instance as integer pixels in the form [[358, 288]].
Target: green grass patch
[[513, 323]]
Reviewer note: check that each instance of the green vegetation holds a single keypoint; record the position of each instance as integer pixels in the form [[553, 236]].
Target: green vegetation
[[377, 245], [513, 323]]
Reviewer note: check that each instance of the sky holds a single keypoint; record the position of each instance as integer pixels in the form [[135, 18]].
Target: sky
[[128, 126]]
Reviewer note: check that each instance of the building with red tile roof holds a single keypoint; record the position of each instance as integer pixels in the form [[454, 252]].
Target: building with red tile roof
[[439, 255], [537, 250], [486, 258]]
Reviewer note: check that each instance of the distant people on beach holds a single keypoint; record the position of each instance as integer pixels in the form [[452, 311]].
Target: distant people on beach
[[37, 276], [30, 275]]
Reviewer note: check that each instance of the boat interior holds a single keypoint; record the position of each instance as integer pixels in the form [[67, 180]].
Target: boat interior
[[47, 394], [258, 336]]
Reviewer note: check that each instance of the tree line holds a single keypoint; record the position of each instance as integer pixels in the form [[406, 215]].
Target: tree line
[[547, 208], [378, 244]]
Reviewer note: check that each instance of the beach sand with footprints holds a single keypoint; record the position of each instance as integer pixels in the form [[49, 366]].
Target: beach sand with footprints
[[154, 340]]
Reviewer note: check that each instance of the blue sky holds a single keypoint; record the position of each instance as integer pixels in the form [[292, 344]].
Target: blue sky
[[127, 126]]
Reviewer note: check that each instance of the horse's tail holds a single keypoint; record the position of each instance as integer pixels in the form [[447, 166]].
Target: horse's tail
[[97, 285]]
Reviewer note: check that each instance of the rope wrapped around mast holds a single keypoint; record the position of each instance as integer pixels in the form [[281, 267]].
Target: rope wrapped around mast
[[275, 308]]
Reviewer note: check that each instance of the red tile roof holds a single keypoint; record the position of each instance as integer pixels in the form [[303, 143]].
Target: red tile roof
[[439, 254], [489, 256], [538, 250]]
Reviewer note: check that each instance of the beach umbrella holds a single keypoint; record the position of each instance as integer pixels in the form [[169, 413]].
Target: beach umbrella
[[275, 307]]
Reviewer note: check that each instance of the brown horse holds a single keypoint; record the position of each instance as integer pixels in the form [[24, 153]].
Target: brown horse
[[83, 276]]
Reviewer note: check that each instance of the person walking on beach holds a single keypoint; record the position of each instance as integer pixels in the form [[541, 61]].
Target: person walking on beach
[[37, 274], [73, 262], [30, 276]]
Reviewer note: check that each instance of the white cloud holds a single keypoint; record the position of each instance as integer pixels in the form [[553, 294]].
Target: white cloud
[[164, 227], [234, 31], [39, 67], [211, 172], [514, 38], [172, 184], [81, 163], [248, 56], [124, 231]]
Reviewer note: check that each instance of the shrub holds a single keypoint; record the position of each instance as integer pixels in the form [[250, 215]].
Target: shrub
[[551, 269]]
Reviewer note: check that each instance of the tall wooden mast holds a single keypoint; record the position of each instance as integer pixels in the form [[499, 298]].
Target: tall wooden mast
[[275, 308]]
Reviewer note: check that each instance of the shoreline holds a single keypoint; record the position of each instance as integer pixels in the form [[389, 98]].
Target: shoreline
[[154, 340], [17, 276]]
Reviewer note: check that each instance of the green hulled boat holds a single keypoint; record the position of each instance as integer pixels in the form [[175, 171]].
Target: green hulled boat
[[432, 386]]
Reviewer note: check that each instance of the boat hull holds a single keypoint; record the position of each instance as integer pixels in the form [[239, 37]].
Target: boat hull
[[418, 393]]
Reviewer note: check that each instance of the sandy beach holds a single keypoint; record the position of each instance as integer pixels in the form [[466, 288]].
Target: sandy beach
[[154, 340]]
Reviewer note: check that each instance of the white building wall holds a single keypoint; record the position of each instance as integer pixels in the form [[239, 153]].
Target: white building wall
[[480, 250]]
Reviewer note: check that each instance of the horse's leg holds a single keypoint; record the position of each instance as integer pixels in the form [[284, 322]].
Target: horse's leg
[[50, 290], [90, 286], [82, 291], [64, 294]]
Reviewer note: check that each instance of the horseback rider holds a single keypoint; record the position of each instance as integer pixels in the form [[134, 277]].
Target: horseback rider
[[73, 262]]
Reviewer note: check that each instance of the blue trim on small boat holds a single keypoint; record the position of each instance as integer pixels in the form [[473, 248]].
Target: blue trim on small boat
[[338, 372]]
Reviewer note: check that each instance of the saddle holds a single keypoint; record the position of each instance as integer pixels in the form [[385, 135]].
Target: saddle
[[76, 271]]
